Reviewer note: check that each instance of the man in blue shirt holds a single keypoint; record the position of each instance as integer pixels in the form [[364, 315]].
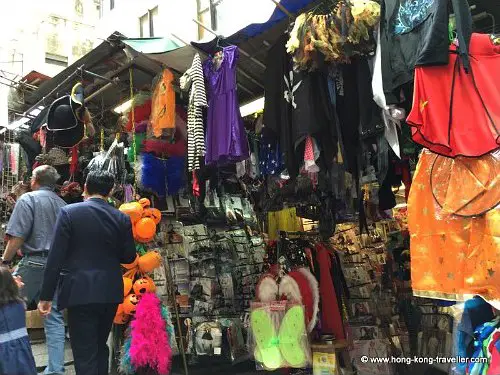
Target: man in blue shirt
[[30, 228]]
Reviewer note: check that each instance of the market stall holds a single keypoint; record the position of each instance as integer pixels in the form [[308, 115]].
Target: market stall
[[299, 236]]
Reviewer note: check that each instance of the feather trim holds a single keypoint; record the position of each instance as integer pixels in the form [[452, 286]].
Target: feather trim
[[267, 289], [313, 283], [150, 345], [290, 289]]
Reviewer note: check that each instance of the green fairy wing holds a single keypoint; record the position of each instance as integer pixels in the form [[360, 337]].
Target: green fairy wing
[[292, 330], [266, 340]]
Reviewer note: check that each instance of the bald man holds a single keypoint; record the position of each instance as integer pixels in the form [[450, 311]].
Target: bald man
[[31, 229]]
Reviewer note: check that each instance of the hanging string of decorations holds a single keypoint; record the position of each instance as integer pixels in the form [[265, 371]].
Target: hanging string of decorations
[[334, 31]]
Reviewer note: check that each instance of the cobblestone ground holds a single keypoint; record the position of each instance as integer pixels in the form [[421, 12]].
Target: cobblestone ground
[[40, 353]]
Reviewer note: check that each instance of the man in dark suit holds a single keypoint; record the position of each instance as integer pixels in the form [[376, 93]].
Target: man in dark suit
[[90, 241]]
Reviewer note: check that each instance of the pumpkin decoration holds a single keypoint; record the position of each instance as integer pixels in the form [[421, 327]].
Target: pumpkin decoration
[[120, 316], [145, 229], [130, 304], [134, 210], [132, 265], [144, 285], [153, 213], [149, 261], [145, 203], [127, 286]]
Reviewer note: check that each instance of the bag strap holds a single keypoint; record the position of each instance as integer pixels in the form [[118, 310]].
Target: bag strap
[[463, 17]]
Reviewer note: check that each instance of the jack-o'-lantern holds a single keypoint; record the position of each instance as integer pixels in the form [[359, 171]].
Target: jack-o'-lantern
[[145, 203], [132, 265], [153, 213], [120, 316], [130, 304], [149, 261], [143, 240], [134, 210], [144, 285], [127, 286], [145, 229]]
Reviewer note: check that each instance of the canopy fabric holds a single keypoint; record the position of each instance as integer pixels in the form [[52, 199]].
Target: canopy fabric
[[252, 30], [254, 39], [152, 45]]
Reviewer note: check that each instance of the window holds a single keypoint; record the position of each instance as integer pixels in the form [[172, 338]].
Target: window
[[98, 7], [207, 15], [147, 22], [51, 58], [79, 8]]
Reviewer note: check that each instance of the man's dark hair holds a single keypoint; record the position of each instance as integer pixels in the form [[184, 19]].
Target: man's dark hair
[[100, 182], [9, 291]]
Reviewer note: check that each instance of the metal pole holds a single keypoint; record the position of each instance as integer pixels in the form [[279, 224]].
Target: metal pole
[[94, 94], [243, 52], [282, 8], [98, 76], [53, 91], [168, 275]]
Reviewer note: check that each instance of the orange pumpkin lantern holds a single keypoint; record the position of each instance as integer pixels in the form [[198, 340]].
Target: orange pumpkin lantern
[[130, 304], [153, 213], [120, 316], [145, 202], [145, 228], [143, 240], [149, 261], [144, 285], [127, 286], [134, 210], [121, 319], [132, 265]]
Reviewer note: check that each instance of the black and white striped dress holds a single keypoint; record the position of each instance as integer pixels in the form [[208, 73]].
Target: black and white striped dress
[[194, 82]]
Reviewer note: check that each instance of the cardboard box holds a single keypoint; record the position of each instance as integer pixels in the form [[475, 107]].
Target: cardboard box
[[35, 321]]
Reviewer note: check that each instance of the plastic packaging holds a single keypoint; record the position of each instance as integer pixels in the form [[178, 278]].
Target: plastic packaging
[[279, 336]]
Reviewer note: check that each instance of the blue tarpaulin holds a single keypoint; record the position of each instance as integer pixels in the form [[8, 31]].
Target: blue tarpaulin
[[255, 29]]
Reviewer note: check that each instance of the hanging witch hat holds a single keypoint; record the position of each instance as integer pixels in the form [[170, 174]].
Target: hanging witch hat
[[65, 122]]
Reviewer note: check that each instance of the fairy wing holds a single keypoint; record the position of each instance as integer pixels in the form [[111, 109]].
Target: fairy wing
[[266, 340], [292, 330]]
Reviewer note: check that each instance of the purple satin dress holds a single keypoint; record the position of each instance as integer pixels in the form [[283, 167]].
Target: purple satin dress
[[226, 139]]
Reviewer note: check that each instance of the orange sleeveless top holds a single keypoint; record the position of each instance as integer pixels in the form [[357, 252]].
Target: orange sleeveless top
[[163, 104]]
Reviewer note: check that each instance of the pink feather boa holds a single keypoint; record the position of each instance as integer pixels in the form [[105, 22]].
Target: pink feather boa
[[149, 341]]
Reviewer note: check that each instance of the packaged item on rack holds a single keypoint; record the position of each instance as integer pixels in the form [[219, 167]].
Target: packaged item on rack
[[208, 339], [279, 336], [233, 209], [235, 340], [377, 348], [324, 360]]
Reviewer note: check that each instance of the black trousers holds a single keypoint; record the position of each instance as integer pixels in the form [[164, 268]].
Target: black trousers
[[89, 327]]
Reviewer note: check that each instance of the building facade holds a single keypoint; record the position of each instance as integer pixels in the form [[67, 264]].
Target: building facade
[[44, 36], [162, 18]]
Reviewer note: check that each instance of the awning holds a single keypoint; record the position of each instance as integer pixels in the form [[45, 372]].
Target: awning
[[254, 41], [152, 45], [110, 85]]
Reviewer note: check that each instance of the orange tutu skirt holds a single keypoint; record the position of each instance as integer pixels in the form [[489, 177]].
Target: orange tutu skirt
[[452, 256]]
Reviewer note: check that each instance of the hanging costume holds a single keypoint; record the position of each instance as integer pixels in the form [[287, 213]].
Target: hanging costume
[[415, 33], [163, 104], [454, 255], [226, 139], [298, 105], [331, 320], [193, 82], [458, 113]]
